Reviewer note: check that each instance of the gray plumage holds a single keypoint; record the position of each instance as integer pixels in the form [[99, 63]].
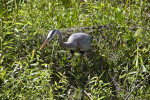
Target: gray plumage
[[77, 41], [80, 41]]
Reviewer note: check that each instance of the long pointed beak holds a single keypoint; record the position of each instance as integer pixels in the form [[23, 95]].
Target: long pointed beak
[[44, 44]]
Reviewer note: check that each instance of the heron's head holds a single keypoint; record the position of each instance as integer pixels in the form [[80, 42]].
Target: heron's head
[[51, 35]]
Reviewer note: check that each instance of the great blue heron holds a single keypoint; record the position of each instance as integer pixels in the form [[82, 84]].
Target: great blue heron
[[77, 41]]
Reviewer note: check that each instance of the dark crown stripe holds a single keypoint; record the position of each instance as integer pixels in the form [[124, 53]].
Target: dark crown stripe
[[52, 33]]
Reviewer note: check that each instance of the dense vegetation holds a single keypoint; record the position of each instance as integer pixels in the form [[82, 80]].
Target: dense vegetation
[[117, 66]]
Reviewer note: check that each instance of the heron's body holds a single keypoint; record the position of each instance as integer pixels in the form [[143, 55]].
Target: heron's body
[[79, 41]]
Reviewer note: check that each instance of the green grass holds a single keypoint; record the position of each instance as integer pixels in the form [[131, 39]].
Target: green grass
[[116, 67]]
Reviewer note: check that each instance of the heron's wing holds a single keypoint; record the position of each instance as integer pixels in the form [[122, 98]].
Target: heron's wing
[[80, 41], [84, 43]]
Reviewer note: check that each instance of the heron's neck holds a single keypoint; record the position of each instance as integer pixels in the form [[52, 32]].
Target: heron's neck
[[65, 44], [61, 39]]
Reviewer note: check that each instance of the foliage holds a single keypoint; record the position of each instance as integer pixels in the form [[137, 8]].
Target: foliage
[[116, 67]]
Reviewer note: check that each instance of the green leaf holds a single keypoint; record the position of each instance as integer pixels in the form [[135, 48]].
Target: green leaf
[[55, 83], [133, 72], [19, 23], [102, 97], [16, 30], [2, 73], [33, 51], [120, 77], [29, 22]]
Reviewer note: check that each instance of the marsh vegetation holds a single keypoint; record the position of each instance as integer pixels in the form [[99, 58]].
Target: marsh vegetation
[[117, 66]]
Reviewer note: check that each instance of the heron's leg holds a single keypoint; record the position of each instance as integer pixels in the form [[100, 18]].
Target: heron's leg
[[82, 86], [72, 55]]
